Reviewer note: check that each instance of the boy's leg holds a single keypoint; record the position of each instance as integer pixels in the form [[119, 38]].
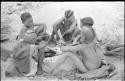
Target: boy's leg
[[40, 61], [78, 63], [54, 32], [73, 49], [41, 32]]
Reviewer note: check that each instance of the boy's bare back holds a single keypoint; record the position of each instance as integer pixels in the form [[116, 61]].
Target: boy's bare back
[[88, 53]]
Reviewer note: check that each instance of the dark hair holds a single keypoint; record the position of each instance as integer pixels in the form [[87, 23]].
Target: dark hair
[[25, 15], [87, 21], [68, 13]]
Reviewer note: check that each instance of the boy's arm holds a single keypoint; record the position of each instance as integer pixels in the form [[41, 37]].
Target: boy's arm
[[72, 27], [59, 32], [96, 35], [42, 26], [22, 33], [61, 37], [71, 48], [57, 22], [76, 39], [54, 32], [55, 29]]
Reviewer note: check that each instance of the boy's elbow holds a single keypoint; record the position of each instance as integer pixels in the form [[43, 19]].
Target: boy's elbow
[[45, 26], [54, 26]]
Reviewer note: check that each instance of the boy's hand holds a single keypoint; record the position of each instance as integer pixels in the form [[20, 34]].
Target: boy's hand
[[75, 43], [61, 42], [41, 46], [21, 40], [65, 33]]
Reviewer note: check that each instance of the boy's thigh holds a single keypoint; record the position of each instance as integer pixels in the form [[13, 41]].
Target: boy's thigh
[[67, 65]]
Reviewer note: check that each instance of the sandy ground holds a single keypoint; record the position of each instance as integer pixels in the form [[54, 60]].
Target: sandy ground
[[116, 61]]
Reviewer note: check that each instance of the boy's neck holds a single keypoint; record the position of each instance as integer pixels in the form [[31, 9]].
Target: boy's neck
[[28, 26]]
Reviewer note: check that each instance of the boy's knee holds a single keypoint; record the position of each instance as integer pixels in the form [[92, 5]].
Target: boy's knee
[[41, 28], [68, 54], [55, 28]]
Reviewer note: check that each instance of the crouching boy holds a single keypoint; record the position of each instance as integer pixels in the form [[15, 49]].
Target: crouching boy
[[23, 55]]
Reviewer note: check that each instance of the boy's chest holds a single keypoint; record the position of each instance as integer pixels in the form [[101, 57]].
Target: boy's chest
[[29, 30], [64, 25], [32, 29]]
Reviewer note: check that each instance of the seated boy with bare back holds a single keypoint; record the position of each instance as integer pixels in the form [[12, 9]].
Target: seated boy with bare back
[[78, 37], [24, 55], [30, 26], [84, 56]]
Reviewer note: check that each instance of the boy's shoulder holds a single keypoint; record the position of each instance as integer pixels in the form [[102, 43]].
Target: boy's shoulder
[[85, 29], [59, 21], [24, 27]]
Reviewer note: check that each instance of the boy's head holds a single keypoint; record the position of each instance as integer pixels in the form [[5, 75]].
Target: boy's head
[[69, 13], [27, 19], [87, 21]]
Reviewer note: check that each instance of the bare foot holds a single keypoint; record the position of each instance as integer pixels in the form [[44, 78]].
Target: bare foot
[[79, 75], [39, 72]]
